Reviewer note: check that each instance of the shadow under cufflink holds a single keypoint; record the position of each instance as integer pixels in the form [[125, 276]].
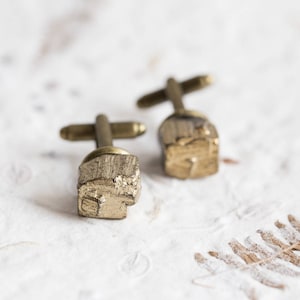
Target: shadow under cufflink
[[59, 197]]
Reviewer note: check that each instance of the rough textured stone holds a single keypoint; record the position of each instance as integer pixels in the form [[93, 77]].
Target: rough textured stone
[[190, 147], [107, 184]]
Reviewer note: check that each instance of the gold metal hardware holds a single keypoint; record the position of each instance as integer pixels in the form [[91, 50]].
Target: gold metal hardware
[[109, 177], [119, 130], [187, 86], [189, 141]]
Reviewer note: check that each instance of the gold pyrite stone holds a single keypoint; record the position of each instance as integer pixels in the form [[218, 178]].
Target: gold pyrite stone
[[109, 177], [189, 141]]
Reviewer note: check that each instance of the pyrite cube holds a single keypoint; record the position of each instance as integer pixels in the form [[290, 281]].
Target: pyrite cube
[[190, 146], [107, 184]]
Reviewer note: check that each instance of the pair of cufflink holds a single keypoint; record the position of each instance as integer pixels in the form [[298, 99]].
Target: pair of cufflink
[[109, 177]]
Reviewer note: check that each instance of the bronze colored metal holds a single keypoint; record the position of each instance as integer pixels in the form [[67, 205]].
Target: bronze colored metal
[[85, 132], [109, 177], [187, 86], [189, 141]]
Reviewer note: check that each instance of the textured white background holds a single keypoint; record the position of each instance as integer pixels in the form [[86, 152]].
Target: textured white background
[[65, 61]]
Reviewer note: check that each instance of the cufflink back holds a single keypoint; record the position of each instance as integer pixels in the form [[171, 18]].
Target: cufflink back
[[190, 143], [109, 177]]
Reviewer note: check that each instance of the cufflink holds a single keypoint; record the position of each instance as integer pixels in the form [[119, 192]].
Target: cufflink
[[189, 141], [109, 177]]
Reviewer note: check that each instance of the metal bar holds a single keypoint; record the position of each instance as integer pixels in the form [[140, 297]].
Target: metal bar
[[187, 86]]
